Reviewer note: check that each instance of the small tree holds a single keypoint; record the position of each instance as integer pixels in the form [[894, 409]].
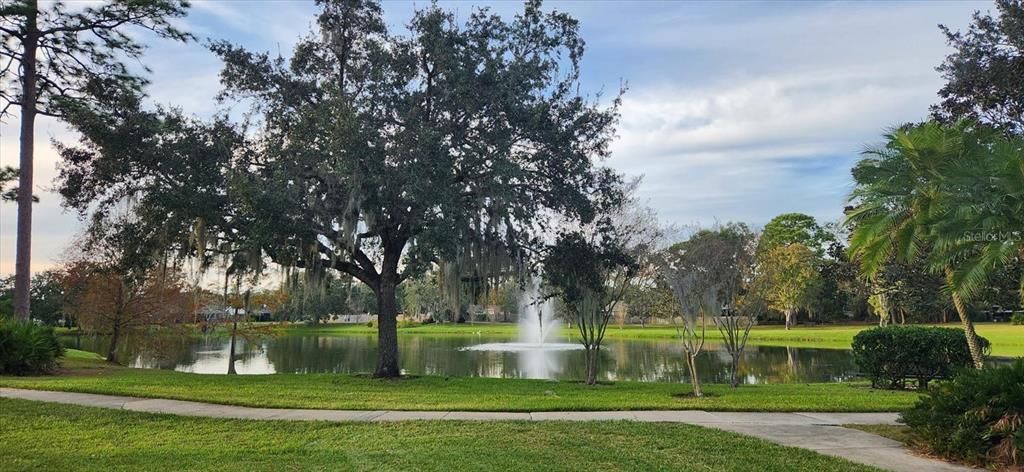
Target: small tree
[[734, 330], [651, 301], [706, 273], [592, 268], [738, 245], [107, 292], [591, 275], [787, 278]]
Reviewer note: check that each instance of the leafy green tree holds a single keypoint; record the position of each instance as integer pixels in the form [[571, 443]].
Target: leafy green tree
[[651, 301], [1003, 287], [842, 292], [590, 275], [376, 155], [985, 73], [48, 297], [911, 291], [54, 57], [591, 268], [953, 195], [423, 295], [793, 228], [788, 279]]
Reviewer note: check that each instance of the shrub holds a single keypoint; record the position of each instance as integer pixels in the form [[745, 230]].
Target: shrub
[[976, 417], [890, 355], [1017, 319], [369, 324], [26, 348]]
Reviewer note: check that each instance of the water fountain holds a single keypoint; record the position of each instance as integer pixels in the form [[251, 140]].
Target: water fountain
[[538, 348]]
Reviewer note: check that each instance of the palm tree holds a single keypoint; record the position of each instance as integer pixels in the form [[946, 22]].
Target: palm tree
[[953, 195]]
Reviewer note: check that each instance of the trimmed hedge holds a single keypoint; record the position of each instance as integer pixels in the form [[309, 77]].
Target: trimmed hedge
[[26, 348], [977, 418], [891, 355]]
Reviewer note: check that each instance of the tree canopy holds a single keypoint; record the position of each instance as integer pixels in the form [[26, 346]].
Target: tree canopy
[[788, 279], [792, 228], [985, 73], [369, 153]]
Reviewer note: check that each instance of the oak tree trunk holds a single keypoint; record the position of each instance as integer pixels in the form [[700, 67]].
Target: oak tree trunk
[[23, 252], [387, 327]]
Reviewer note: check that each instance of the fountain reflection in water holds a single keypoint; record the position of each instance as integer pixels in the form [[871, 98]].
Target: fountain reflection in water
[[538, 350]]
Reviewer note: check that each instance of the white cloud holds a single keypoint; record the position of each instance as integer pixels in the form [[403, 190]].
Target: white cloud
[[750, 150]]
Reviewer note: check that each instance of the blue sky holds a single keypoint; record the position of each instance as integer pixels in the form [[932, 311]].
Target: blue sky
[[735, 111]]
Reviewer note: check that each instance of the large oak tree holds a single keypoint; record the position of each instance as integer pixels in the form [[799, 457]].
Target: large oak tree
[[369, 153]]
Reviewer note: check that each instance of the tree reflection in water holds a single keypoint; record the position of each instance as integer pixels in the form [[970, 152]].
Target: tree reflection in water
[[638, 360]]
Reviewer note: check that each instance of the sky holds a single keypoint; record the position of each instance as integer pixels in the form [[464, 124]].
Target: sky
[[735, 111]]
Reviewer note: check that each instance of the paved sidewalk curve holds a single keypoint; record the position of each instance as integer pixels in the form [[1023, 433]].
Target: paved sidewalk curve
[[819, 432]]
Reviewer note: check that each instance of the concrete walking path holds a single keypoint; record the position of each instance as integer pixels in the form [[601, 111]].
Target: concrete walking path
[[819, 432]]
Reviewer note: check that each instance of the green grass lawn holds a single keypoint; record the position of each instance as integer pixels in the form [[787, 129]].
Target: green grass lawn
[[40, 436], [898, 433], [337, 391], [1007, 340]]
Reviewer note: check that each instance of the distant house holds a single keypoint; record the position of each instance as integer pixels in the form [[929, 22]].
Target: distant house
[[213, 313], [262, 314], [217, 313]]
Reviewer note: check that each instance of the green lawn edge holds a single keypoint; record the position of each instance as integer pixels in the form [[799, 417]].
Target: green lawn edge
[[115, 440], [434, 393]]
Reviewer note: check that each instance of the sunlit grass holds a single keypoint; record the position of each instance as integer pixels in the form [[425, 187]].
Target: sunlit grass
[[40, 436]]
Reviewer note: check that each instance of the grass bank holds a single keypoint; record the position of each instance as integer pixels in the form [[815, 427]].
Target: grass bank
[[337, 391], [96, 439], [900, 433], [1007, 340]]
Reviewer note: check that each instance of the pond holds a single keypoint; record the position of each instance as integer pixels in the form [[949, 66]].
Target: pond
[[637, 360]]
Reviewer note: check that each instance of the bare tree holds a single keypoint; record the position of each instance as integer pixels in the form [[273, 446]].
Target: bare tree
[[734, 330]]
